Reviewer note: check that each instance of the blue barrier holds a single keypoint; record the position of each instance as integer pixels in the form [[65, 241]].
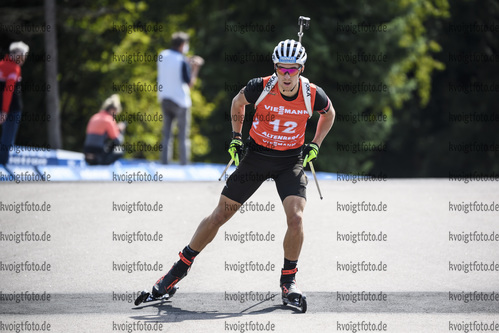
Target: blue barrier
[[22, 155], [28, 164]]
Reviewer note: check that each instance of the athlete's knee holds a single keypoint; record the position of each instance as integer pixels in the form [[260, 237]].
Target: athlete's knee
[[218, 218], [295, 222], [221, 215]]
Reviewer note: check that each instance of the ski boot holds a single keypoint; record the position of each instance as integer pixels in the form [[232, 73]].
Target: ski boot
[[165, 287], [291, 295]]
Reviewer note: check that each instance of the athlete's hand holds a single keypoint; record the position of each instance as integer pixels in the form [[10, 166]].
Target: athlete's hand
[[236, 150], [310, 153]]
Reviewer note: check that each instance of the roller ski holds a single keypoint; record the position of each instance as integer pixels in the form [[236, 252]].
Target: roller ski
[[291, 295], [166, 286], [147, 297]]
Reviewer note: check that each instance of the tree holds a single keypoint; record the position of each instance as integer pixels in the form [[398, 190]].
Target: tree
[[386, 67], [371, 59], [54, 128], [455, 131]]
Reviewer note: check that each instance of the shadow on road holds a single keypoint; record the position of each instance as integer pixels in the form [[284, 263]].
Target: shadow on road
[[167, 312]]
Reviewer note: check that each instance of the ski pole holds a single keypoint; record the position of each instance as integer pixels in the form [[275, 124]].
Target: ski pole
[[315, 177], [225, 170], [305, 21]]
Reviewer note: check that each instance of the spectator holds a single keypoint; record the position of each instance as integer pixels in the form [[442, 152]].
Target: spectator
[[10, 96], [176, 78], [104, 135]]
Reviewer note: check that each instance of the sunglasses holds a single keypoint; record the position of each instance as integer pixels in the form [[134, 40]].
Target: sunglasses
[[291, 71]]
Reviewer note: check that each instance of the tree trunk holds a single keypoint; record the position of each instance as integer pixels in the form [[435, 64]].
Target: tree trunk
[[54, 126]]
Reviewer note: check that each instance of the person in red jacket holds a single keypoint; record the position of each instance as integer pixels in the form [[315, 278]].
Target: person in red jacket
[[10, 96], [104, 135]]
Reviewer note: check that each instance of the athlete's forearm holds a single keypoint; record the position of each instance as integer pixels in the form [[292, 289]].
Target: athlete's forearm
[[237, 117], [324, 125], [237, 111]]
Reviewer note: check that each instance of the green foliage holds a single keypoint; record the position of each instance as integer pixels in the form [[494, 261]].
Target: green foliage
[[424, 138], [417, 68], [407, 86], [236, 54], [126, 63]]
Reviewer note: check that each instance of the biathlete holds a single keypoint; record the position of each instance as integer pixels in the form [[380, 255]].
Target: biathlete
[[284, 102]]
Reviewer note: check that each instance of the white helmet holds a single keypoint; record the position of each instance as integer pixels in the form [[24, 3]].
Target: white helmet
[[289, 51]]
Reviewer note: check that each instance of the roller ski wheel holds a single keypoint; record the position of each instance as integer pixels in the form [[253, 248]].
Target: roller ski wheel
[[147, 297], [299, 303]]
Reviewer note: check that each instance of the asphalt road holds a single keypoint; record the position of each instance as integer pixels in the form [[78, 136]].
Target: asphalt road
[[424, 263]]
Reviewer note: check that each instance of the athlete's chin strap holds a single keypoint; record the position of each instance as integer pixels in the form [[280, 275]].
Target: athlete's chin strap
[[305, 85]]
